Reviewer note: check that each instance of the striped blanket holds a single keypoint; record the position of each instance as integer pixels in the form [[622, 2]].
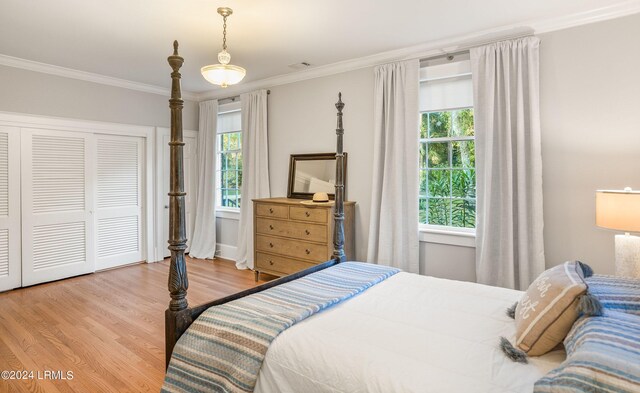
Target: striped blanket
[[223, 350]]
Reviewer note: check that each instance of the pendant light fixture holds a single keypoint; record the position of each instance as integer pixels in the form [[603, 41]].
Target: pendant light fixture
[[223, 74]]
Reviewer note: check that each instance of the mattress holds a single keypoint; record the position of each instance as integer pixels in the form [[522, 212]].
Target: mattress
[[410, 333]]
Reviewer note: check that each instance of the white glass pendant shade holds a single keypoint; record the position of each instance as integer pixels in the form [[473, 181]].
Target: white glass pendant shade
[[223, 74]]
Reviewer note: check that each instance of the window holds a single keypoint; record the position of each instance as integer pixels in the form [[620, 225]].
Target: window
[[447, 147], [447, 169], [229, 157]]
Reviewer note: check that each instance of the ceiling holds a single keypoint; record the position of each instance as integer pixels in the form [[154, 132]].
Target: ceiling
[[130, 39]]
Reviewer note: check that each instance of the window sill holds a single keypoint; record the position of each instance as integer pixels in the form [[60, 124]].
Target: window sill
[[447, 236], [228, 213]]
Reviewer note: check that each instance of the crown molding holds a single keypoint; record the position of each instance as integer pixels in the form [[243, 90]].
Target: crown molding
[[619, 10], [436, 48], [50, 69], [430, 49]]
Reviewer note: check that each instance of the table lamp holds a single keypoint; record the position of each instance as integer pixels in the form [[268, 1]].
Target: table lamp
[[620, 210]]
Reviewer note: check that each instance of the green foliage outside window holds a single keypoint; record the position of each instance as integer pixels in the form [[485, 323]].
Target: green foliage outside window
[[447, 169], [229, 169]]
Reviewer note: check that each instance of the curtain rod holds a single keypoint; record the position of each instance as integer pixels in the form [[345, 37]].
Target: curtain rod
[[233, 98], [444, 55], [466, 45]]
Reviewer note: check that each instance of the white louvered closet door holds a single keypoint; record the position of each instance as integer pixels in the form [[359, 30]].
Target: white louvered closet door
[[57, 202], [10, 260], [119, 200]]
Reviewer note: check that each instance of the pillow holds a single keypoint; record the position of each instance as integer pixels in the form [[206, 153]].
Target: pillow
[[603, 356], [616, 293], [548, 309]]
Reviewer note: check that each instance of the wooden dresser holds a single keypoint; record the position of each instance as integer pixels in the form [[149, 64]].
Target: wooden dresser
[[290, 236]]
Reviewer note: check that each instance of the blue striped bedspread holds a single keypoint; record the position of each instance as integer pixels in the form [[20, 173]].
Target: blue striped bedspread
[[223, 350], [616, 293]]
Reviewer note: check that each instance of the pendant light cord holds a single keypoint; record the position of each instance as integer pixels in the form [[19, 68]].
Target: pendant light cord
[[224, 33]]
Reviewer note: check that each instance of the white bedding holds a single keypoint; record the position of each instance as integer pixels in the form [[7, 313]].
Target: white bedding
[[409, 333]]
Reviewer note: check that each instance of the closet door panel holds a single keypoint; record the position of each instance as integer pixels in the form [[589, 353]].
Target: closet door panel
[[57, 203], [120, 167], [10, 259]]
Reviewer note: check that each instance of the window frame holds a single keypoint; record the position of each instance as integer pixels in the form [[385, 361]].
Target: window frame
[[437, 233], [228, 212]]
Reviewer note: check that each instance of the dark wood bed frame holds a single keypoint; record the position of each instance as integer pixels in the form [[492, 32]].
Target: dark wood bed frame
[[179, 315]]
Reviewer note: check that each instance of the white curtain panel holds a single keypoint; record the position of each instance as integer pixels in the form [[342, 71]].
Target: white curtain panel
[[203, 244], [255, 170], [509, 240], [393, 229]]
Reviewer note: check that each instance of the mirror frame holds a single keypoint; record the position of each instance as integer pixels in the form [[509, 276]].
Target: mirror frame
[[310, 157]]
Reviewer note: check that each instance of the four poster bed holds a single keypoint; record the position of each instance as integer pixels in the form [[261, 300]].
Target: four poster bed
[[401, 333]]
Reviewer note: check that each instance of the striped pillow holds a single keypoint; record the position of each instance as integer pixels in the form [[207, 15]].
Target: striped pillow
[[616, 293], [603, 356]]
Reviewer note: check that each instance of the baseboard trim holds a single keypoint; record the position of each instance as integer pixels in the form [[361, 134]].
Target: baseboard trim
[[226, 251]]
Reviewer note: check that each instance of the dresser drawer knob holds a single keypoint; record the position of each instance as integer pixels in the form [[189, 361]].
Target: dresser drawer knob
[[271, 245], [307, 251], [271, 227], [307, 214], [307, 232], [271, 210], [270, 262]]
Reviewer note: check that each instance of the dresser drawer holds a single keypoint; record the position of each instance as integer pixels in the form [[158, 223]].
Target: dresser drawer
[[292, 248], [280, 264], [296, 230], [268, 210], [308, 214]]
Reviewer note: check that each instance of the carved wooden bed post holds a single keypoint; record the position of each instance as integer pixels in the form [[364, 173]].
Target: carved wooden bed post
[[338, 216], [177, 316]]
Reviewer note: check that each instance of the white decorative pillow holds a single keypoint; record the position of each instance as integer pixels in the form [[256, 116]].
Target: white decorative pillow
[[549, 308]]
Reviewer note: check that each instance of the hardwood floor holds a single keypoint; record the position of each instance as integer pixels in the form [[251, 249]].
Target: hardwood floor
[[106, 328]]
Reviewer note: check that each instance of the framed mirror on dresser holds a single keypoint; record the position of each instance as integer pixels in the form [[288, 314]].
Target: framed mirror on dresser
[[311, 173]]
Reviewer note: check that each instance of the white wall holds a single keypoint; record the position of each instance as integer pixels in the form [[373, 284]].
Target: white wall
[[590, 100], [448, 261], [227, 231], [302, 119], [590, 97], [590, 91], [49, 95], [33, 93]]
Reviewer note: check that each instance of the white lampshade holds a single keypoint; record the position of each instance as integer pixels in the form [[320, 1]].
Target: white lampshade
[[618, 210], [621, 210], [223, 74]]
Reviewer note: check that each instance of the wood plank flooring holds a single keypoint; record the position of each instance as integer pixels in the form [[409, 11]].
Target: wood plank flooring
[[106, 328]]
